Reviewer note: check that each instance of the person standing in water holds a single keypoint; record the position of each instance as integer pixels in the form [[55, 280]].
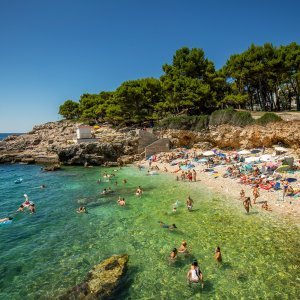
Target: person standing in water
[[173, 254], [247, 204], [218, 256], [195, 275], [189, 203]]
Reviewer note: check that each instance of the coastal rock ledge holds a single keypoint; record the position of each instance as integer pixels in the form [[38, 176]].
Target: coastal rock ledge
[[102, 281]]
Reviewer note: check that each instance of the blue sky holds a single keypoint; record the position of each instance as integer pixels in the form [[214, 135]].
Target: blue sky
[[54, 50]]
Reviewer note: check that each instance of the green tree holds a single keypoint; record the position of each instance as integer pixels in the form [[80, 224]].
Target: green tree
[[69, 109], [191, 83]]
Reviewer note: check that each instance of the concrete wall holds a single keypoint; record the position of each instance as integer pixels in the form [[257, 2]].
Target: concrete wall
[[161, 145], [145, 138]]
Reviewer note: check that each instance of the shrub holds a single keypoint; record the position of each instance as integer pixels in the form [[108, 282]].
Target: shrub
[[241, 118], [268, 118], [184, 122], [230, 116], [222, 116]]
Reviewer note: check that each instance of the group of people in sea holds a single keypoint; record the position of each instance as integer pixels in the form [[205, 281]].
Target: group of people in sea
[[27, 204]]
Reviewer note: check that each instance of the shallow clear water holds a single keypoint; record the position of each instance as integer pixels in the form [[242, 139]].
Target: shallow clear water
[[42, 255]]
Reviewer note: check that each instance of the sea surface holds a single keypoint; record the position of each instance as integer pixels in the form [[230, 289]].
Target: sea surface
[[44, 254], [4, 135]]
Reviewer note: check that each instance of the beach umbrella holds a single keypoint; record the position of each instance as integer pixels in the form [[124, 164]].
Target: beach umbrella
[[251, 159], [281, 149], [290, 179], [282, 169], [265, 158], [208, 153], [244, 152]]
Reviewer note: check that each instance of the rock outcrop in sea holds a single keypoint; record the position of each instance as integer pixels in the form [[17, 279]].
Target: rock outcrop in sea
[[53, 143], [102, 281]]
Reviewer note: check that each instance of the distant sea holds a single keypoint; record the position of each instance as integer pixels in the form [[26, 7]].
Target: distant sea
[[4, 135]]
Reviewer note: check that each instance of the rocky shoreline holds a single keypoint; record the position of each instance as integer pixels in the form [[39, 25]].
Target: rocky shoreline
[[53, 143]]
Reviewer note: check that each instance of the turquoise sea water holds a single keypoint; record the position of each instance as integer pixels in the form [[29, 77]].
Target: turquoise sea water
[[43, 254]]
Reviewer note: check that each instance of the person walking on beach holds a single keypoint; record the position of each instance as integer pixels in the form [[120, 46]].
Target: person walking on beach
[[194, 175], [242, 194], [255, 193], [247, 204], [189, 203]]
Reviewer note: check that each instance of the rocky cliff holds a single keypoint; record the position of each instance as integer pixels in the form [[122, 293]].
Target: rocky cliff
[[227, 136], [54, 142]]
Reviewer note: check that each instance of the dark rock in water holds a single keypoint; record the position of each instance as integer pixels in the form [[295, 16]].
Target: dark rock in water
[[101, 281], [52, 168]]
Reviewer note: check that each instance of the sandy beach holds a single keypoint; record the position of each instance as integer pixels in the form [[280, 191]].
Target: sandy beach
[[284, 207]]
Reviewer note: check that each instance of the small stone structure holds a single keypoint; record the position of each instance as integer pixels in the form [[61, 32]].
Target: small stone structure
[[146, 138], [84, 134], [161, 145]]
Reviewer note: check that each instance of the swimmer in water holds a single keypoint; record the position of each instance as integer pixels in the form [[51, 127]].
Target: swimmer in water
[[81, 210], [121, 201], [164, 225], [183, 248], [173, 254], [139, 191], [5, 219], [42, 186], [31, 208]]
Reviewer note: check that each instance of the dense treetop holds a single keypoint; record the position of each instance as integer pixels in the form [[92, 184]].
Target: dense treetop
[[261, 78]]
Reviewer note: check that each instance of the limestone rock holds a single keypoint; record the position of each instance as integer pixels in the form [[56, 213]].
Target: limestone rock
[[101, 281]]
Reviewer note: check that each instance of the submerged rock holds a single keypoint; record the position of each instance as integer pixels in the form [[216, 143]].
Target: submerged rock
[[102, 281]]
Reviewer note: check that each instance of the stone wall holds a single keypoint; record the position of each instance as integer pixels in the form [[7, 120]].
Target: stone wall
[[161, 145], [145, 138]]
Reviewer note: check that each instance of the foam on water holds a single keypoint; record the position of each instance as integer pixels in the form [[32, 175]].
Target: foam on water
[[44, 254]]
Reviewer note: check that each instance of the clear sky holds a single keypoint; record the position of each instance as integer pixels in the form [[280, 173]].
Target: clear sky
[[54, 50]]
